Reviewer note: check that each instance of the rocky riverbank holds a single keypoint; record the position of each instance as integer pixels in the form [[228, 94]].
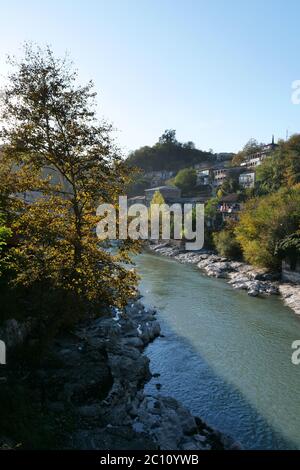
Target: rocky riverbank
[[257, 282], [93, 378]]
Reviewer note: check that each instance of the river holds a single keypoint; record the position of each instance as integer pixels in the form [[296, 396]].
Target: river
[[225, 355]]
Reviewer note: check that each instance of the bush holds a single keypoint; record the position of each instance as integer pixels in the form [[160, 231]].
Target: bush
[[264, 222], [226, 244], [186, 179]]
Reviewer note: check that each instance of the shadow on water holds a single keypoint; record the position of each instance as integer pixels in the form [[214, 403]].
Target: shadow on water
[[224, 355], [186, 376]]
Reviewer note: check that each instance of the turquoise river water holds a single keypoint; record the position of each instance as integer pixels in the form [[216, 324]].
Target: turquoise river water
[[225, 355]]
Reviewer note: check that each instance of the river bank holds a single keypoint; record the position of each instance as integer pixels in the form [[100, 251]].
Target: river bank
[[257, 282], [93, 378]]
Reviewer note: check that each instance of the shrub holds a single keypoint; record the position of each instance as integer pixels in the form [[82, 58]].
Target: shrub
[[264, 222], [186, 179], [226, 244]]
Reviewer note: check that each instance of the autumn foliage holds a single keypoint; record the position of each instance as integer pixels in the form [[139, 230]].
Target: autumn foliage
[[57, 164]]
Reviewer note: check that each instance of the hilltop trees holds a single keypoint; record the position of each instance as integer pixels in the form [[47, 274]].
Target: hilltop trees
[[167, 154], [56, 151], [168, 137]]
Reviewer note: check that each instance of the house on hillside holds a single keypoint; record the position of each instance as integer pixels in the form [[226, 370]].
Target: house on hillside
[[247, 180], [220, 174], [203, 165], [136, 200], [229, 207], [171, 195], [257, 158], [159, 176], [204, 172], [204, 177], [212, 174]]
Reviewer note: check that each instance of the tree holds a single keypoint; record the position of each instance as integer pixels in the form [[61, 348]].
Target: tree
[[289, 152], [226, 243], [264, 222], [211, 207], [157, 198], [138, 186], [5, 234], [168, 137], [289, 247], [213, 220], [54, 146], [189, 145], [282, 168], [186, 179], [155, 211], [269, 175], [230, 185], [168, 154]]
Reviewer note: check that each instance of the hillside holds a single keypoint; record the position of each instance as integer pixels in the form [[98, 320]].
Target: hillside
[[168, 154]]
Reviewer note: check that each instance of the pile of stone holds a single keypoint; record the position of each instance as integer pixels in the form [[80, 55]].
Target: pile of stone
[[256, 282], [291, 296], [98, 373]]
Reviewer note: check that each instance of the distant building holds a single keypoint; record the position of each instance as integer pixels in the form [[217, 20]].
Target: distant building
[[203, 165], [204, 172], [222, 173], [219, 176], [203, 177], [136, 200], [257, 158], [247, 180], [229, 207], [171, 195], [159, 176]]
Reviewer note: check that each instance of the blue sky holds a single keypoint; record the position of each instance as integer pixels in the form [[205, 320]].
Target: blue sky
[[217, 71]]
